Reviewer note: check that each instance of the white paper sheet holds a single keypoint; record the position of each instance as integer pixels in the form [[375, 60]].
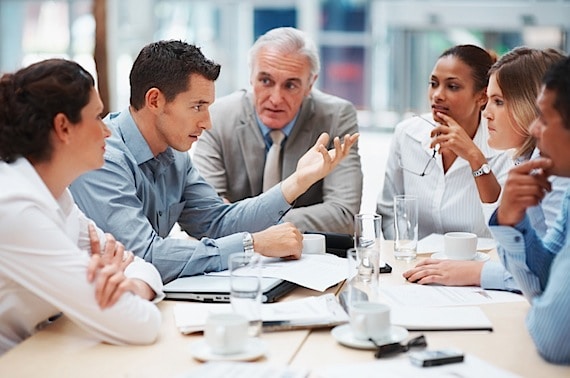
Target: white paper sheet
[[432, 295], [316, 272], [310, 311], [440, 318], [401, 367], [434, 243], [244, 370]]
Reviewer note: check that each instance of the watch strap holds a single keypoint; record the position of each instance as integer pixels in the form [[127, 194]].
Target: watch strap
[[484, 170], [248, 244]]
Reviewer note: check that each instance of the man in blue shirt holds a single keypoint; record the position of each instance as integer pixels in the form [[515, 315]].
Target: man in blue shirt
[[148, 182], [541, 267]]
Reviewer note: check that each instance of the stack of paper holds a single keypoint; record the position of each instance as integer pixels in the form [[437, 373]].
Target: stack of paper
[[440, 318], [434, 307], [310, 312], [244, 369], [472, 367], [435, 295], [331, 269], [434, 243]]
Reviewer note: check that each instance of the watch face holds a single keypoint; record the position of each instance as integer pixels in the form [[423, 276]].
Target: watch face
[[486, 169]]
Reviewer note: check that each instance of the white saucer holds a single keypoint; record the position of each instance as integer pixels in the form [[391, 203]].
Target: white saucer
[[486, 244], [479, 256], [343, 334], [254, 349]]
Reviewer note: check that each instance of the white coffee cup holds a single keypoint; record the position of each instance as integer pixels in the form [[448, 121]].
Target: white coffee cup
[[314, 244], [369, 320], [226, 333], [460, 245]]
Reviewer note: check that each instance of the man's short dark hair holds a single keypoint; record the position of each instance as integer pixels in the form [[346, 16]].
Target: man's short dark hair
[[167, 65]]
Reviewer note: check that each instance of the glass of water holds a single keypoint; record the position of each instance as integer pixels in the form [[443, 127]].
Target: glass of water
[[245, 288], [367, 243], [405, 227]]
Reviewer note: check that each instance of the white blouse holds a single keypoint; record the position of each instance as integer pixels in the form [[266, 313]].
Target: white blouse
[[44, 246], [447, 201]]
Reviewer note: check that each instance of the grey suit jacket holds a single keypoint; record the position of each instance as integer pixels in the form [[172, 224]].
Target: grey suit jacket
[[231, 157]]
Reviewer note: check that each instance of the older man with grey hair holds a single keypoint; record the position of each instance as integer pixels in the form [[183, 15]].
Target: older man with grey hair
[[258, 135]]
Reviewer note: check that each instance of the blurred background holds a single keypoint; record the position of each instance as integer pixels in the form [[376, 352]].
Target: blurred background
[[376, 53]]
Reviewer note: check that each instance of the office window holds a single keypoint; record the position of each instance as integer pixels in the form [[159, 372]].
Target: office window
[[346, 16], [265, 19], [31, 31], [345, 48], [342, 72]]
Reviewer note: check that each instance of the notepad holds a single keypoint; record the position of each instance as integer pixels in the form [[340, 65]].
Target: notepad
[[310, 312], [468, 318], [434, 243]]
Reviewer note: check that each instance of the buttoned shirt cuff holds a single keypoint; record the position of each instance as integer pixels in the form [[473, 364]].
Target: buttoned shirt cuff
[[495, 276], [146, 272], [228, 245], [276, 200], [511, 238]]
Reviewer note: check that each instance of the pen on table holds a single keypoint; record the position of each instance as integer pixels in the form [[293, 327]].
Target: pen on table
[[275, 323], [484, 293]]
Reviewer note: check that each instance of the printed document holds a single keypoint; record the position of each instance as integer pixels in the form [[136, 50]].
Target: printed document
[[432, 295], [316, 272], [310, 312]]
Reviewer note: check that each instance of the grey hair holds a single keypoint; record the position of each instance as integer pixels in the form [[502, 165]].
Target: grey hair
[[288, 40]]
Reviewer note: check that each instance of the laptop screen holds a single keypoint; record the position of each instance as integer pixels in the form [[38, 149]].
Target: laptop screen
[[206, 288]]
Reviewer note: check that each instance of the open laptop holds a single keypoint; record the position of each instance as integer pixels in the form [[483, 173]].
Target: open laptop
[[206, 288]]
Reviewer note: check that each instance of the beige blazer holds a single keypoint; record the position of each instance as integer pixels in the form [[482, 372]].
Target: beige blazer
[[231, 157]]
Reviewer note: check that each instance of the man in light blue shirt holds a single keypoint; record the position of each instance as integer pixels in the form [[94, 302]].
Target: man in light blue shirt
[[541, 267], [148, 182]]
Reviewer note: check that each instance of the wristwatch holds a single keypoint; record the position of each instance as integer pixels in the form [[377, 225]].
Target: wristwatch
[[484, 170], [247, 244]]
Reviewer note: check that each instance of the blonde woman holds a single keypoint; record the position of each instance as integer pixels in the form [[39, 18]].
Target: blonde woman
[[514, 84]]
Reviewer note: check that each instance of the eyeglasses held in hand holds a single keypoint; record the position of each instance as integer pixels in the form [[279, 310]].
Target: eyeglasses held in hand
[[430, 163], [395, 348]]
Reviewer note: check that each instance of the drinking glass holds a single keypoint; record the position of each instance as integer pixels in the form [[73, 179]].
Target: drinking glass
[[367, 242], [245, 289], [405, 227], [360, 285]]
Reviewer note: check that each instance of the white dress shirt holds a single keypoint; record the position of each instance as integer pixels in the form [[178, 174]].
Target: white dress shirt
[[447, 201], [44, 247]]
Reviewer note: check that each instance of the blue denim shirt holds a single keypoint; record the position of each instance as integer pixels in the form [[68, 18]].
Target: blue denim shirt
[[139, 197], [541, 268]]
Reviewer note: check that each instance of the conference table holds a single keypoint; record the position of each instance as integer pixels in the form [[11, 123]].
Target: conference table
[[63, 350]]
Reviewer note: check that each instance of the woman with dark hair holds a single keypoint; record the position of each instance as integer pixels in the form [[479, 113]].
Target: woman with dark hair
[[514, 84], [433, 156], [53, 259]]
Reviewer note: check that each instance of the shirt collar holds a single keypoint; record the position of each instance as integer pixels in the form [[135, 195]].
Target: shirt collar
[[265, 130], [29, 173], [131, 136]]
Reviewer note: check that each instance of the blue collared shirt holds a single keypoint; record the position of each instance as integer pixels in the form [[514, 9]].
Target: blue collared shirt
[[138, 197], [541, 268], [541, 217], [266, 130]]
